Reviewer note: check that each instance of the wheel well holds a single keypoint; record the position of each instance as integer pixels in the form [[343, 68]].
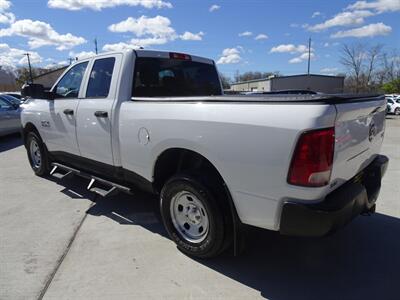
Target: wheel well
[[29, 127], [178, 160], [173, 161]]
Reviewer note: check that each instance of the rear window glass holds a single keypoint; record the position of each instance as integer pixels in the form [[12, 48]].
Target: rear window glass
[[100, 78], [161, 77]]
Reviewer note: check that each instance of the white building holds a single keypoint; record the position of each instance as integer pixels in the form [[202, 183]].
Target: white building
[[312, 82]]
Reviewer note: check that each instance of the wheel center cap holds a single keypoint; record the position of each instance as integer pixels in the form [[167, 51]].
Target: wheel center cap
[[193, 214]]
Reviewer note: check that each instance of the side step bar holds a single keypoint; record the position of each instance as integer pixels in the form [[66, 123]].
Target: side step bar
[[68, 171]]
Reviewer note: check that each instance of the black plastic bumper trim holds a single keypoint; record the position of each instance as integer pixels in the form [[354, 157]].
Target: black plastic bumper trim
[[338, 208]]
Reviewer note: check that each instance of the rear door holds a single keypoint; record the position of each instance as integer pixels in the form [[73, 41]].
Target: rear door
[[59, 126], [94, 118]]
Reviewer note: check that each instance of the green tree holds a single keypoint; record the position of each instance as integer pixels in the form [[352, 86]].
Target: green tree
[[392, 87]]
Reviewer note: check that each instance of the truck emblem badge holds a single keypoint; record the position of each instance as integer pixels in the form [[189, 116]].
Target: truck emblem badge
[[372, 131], [45, 123]]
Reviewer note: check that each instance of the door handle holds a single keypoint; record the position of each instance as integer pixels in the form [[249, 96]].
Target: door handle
[[101, 114], [68, 111]]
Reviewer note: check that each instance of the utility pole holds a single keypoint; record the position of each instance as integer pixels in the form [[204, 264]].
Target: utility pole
[[309, 56], [30, 68], [95, 45], [70, 60]]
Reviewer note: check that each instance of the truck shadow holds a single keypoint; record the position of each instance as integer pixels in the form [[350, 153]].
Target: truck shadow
[[9, 142], [361, 261]]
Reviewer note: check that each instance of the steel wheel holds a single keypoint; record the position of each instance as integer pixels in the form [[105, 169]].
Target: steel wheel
[[189, 217], [35, 154]]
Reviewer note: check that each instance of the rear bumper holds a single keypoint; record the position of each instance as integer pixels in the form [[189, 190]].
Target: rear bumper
[[338, 208]]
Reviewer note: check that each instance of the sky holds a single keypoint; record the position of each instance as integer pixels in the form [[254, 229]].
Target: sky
[[240, 35]]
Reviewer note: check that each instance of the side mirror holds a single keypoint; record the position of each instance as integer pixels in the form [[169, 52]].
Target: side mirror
[[37, 91]]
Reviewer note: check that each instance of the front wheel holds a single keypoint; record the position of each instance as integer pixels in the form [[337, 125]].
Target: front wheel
[[192, 217], [37, 154], [397, 111]]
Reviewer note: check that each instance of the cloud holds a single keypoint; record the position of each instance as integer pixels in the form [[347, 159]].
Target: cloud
[[41, 34], [347, 18], [245, 33], [370, 30], [261, 37], [316, 14], [289, 48], [147, 31], [379, 6], [55, 65], [230, 56], [301, 58], [6, 17], [82, 55], [157, 26], [329, 71], [119, 47], [214, 7], [300, 50], [4, 5], [11, 58], [100, 4], [189, 36]]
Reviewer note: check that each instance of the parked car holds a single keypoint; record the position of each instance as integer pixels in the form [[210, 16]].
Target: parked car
[[10, 117], [15, 95], [393, 106], [11, 99], [139, 119]]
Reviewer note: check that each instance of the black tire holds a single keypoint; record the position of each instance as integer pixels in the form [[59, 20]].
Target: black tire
[[43, 168], [397, 111], [215, 240]]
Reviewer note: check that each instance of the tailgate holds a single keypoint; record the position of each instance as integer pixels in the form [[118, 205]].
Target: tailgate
[[359, 131]]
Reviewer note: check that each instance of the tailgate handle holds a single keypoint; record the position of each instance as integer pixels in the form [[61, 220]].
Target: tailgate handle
[[101, 114]]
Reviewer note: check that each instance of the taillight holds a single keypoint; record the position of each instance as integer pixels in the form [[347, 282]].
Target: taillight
[[181, 56], [312, 159]]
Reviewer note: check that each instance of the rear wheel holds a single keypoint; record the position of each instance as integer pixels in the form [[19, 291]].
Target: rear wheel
[[192, 216], [397, 111], [37, 154]]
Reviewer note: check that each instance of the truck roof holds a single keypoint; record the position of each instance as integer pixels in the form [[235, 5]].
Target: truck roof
[[157, 54]]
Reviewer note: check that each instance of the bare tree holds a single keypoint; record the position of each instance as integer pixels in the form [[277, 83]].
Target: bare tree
[[352, 59], [362, 62], [372, 57]]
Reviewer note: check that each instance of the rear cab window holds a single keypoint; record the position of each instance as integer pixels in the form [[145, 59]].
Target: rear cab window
[[100, 78], [169, 77]]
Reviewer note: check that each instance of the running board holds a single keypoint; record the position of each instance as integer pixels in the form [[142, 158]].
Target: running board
[[113, 187]]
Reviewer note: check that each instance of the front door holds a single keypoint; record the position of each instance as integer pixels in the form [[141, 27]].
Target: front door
[[94, 119], [60, 127]]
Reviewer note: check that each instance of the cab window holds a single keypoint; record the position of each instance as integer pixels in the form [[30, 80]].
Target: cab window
[[69, 85], [162, 77], [100, 78]]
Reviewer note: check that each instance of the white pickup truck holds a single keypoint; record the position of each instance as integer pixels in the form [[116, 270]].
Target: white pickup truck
[[303, 165]]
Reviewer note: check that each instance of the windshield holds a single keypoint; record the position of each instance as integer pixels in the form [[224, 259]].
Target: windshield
[[162, 77]]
